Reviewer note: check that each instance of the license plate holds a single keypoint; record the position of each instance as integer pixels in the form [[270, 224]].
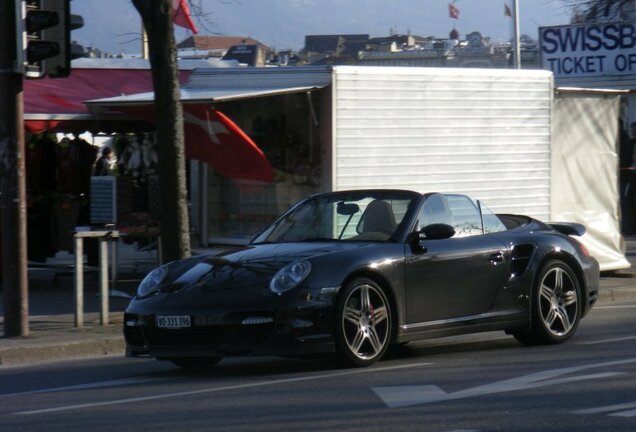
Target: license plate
[[174, 321]]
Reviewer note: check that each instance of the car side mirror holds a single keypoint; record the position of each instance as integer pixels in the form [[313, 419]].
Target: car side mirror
[[438, 231], [430, 232]]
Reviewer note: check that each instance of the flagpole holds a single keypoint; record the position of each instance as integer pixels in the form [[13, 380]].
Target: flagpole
[[516, 43], [144, 43]]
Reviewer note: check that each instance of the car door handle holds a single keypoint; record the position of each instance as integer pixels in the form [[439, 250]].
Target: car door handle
[[496, 257]]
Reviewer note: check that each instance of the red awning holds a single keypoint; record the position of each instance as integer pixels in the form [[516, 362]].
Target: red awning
[[58, 104]]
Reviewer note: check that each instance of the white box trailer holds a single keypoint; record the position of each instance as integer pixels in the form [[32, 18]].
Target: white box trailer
[[483, 132], [499, 135]]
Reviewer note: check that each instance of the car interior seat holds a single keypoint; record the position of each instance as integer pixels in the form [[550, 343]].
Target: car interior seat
[[378, 216]]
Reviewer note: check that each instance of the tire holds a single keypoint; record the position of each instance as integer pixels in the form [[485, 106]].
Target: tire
[[556, 306], [195, 363], [364, 323]]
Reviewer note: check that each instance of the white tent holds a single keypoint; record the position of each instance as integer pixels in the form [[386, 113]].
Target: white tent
[[584, 172]]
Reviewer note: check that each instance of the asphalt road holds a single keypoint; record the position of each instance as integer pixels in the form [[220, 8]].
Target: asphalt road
[[484, 382]]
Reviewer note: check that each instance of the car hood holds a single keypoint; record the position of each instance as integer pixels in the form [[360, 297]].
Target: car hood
[[251, 266]]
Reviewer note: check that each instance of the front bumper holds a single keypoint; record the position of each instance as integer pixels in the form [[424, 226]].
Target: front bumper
[[305, 326]]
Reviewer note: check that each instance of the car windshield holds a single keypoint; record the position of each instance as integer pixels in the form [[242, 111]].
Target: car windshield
[[351, 216]]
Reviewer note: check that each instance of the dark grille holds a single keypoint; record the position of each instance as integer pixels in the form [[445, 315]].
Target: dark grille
[[192, 337], [252, 335], [208, 336]]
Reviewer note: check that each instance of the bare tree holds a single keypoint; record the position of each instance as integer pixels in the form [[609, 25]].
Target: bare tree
[[175, 230], [593, 10]]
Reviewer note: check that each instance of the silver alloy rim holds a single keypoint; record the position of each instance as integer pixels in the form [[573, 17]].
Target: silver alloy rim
[[365, 322], [558, 301]]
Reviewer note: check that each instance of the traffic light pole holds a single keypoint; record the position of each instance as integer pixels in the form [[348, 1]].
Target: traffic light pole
[[12, 180]]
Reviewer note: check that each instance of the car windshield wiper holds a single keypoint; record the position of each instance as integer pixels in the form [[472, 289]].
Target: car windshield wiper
[[318, 239]]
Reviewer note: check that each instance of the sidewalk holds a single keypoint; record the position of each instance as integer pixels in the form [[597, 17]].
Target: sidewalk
[[53, 335], [51, 304]]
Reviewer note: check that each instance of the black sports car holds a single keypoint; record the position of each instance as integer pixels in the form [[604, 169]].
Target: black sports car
[[353, 272]]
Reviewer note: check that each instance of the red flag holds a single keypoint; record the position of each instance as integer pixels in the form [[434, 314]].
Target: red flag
[[453, 12], [181, 15], [213, 138], [210, 136]]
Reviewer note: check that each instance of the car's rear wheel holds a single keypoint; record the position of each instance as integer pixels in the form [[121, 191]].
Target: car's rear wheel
[[556, 306], [363, 329], [195, 363]]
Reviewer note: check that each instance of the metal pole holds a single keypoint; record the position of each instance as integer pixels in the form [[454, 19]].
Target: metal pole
[[114, 263], [204, 203], [12, 177], [103, 279], [144, 43], [517, 47], [79, 281]]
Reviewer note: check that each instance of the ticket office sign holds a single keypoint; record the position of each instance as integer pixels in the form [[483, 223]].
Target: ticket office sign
[[589, 50]]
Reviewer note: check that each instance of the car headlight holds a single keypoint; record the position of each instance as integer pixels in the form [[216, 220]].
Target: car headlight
[[151, 282], [290, 276]]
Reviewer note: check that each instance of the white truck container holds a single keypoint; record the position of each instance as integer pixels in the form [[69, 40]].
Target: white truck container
[[483, 132]]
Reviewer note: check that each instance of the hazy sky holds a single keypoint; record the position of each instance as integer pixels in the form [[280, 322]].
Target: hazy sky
[[114, 25]]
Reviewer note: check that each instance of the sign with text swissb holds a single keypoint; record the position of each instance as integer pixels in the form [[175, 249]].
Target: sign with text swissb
[[589, 50]]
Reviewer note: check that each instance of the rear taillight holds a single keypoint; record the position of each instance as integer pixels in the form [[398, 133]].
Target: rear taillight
[[582, 248]]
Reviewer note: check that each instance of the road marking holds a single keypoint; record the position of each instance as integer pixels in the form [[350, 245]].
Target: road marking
[[629, 406], [221, 389], [604, 409], [403, 396], [606, 340], [94, 385], [631, 413]]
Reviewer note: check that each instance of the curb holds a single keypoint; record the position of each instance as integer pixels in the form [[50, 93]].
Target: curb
[[54, 338], [25, 355], [616, 295], [618, 286]]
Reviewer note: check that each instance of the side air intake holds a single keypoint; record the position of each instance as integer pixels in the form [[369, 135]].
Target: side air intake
[[520, 259]]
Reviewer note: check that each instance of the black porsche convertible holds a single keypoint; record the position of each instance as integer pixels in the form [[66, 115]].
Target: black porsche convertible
[[353, 272]]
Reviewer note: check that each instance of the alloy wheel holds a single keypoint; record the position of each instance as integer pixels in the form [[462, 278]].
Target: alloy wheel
[[558, 301], [365, 322]]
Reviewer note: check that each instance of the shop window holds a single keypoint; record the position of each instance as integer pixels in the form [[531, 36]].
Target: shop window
[[288, 129]]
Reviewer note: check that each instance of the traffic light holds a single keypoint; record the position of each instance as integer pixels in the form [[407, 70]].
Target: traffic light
[[47, 48]]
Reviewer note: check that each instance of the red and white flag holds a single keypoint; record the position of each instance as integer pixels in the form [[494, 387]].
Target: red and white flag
[[213, 138], [453, 12], [181, 15]]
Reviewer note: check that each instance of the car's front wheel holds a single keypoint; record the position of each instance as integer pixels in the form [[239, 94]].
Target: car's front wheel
[[556, 305], [363, 328]]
